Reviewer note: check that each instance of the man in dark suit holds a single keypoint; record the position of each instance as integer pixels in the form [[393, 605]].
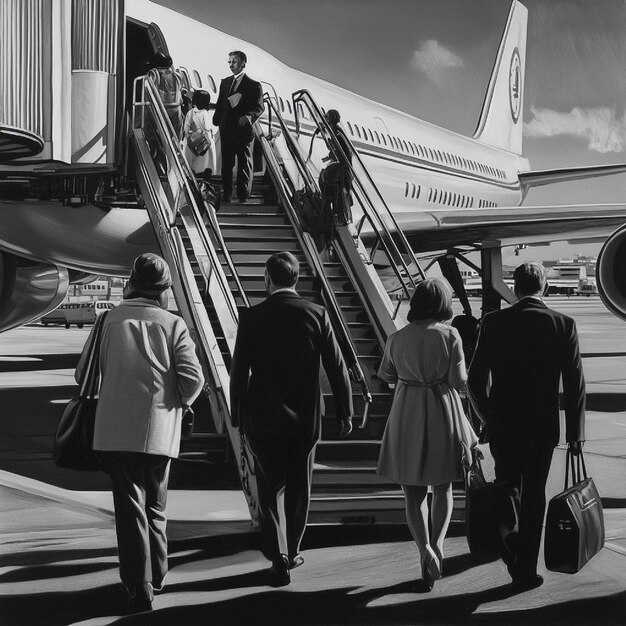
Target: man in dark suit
[[277, 403], [527, 349], [239, 105]]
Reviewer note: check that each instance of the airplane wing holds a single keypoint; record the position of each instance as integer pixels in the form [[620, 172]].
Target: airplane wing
[[440, 229]]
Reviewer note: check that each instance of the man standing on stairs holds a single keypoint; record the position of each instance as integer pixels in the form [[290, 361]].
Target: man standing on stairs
[[277, 404], [239, 105]]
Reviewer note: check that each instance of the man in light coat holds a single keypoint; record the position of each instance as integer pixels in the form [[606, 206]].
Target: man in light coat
[[149, 373]]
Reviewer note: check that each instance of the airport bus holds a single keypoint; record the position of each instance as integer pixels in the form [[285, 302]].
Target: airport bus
[[78, 313]]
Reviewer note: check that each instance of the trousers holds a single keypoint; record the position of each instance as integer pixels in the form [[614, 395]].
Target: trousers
[[525, 469], [283, 474], [139, 485], [231, 147]]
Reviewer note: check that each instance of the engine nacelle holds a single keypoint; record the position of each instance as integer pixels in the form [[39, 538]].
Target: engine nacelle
[[28, 289], [611, 273]]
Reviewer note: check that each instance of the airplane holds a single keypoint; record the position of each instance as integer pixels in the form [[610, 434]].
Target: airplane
[[65, 89]]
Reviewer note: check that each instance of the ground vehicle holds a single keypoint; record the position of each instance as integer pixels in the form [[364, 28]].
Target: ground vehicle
[[79, 313]]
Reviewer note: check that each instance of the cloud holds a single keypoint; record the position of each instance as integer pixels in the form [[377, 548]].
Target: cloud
[[599, 127], [435, 61]]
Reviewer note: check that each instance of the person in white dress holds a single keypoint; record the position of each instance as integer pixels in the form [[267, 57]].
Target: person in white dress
[[427, 435], [198, 118]]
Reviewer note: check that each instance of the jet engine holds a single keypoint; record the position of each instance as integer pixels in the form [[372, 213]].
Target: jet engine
[[28, 289], [611, 273]]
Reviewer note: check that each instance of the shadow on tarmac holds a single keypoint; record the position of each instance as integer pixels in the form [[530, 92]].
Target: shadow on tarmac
[[37, 362], [335, 607]]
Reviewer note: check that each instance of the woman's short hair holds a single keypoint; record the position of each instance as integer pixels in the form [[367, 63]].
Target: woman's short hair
[[162, 60], [432, 299], [150, 276], [283, 269], [530, 278], [333, 116], [201, 99]]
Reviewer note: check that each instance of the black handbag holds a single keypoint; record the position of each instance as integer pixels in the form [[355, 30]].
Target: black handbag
[[491, 513], [73, 440], [574, 522], [481, 521]]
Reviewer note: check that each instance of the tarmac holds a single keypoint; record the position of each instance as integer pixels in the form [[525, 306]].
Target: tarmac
[[58, 557]]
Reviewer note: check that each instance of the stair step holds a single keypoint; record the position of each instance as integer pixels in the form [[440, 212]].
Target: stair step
[[239, 209], [262, 247], [364, 449], [244, 219]]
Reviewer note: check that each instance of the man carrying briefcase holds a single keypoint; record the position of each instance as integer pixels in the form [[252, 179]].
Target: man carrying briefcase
[[523, 352]]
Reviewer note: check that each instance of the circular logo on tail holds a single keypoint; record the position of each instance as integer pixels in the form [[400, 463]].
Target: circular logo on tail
[[515, 85]]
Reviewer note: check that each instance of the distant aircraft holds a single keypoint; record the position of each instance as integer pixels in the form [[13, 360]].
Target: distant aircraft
[[66, 72]]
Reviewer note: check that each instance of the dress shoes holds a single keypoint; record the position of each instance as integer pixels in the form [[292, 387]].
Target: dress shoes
[[140, 598], [525, 583], [296, 561], [279, 572], [159, 585]]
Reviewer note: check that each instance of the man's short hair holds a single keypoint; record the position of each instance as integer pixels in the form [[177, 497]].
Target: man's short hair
[[530, 278], [283, 269], [239, 54]]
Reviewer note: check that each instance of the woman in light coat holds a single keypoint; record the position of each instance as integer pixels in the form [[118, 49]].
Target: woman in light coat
[[149, 372], [427, 435]]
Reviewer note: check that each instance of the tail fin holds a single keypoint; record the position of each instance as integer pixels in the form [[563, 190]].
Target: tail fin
[[500, 123]]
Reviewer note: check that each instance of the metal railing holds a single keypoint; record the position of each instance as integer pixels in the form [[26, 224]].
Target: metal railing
[[388, 237], [288, 191], [193, 200]]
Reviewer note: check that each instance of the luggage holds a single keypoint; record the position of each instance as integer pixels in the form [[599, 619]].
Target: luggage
[[73, 439], [491, 514], [198, 138], [481, 521], [574, 522]]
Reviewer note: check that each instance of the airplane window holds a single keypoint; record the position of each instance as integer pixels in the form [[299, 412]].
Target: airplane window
[[390, 142], [197, 78], [412, 149], [211, 83], [406, 190], [412, 190], [289, 107], [377, 137], [184, 75], [371, 135], [383, 138], [364, 133], [430, 194], [350, 128], [358, 131], [419, 189], [282, 104]]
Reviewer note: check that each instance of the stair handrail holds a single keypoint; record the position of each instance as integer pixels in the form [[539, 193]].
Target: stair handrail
[[391, 247], [193, 194], [181, 276], [290, 202]]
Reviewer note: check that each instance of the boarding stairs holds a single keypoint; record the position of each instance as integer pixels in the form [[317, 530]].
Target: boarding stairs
[[218, 262]]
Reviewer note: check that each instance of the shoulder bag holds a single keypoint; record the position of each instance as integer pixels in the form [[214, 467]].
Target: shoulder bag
[[73, 440], [575, 521], [198, 139]]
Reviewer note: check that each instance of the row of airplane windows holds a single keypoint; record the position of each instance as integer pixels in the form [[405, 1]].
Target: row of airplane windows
[[367, 134], [427, 153], [411, 190]]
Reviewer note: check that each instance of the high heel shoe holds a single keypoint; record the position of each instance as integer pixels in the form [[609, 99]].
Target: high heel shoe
[[439, 555], [430, 569]]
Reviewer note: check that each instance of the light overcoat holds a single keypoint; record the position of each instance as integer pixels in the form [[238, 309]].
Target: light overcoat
[[149, 370]]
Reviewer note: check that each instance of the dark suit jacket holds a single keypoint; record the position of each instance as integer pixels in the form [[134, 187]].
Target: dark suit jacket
[[280, 343], [527, 348], [250, 104]]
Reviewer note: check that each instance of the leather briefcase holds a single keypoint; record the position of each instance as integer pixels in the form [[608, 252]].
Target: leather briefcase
[[574, 522]]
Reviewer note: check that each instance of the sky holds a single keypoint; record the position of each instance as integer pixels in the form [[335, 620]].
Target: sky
[[433, 58]]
